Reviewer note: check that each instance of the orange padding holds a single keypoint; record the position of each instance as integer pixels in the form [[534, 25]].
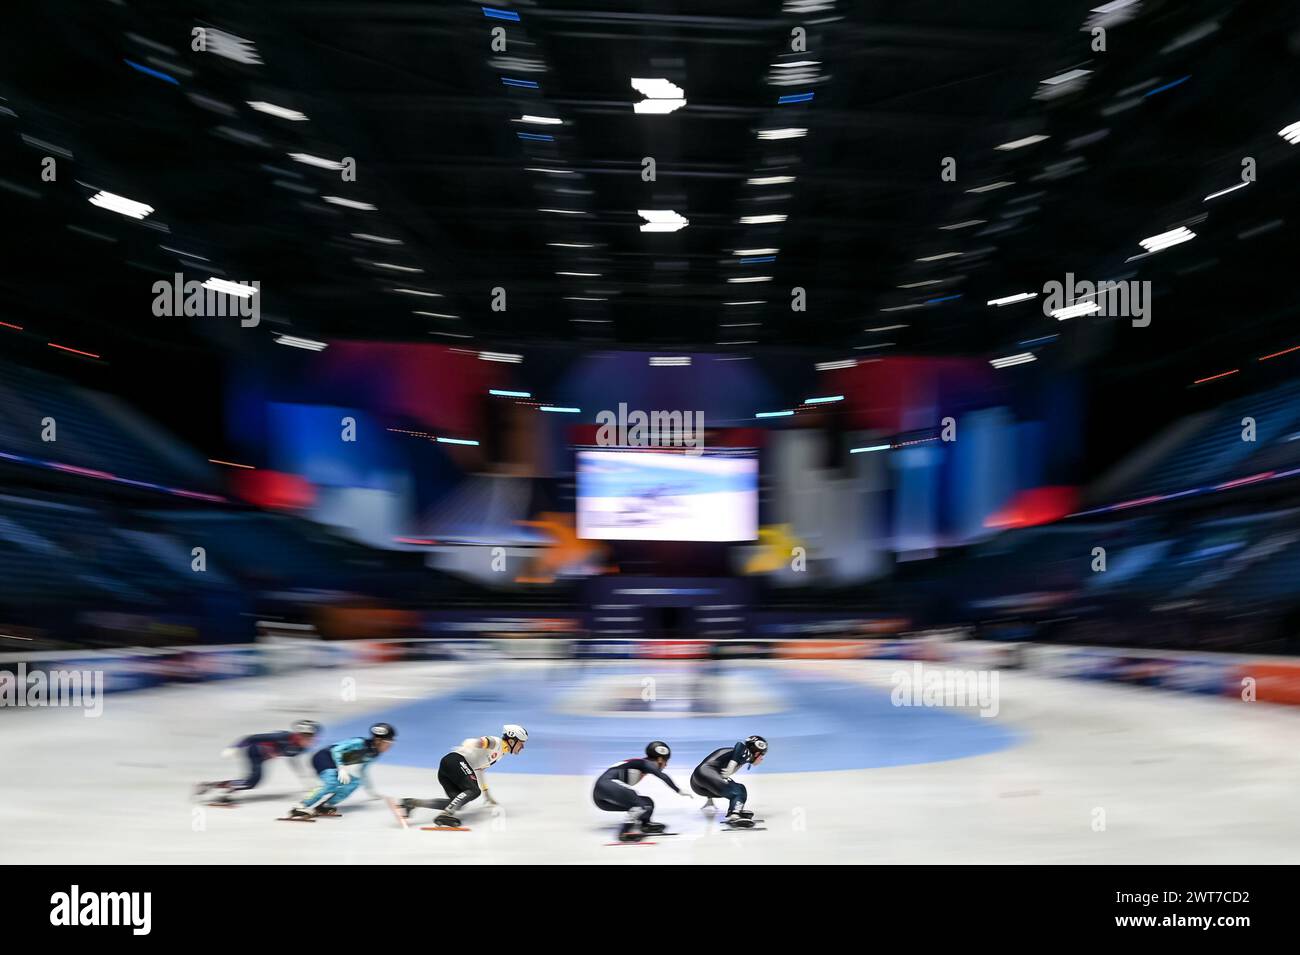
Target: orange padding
[[1274, 682]]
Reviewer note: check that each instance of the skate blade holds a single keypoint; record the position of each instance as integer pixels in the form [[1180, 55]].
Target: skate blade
[[744, 828], [294, 819], [223, 805], [445, 828], [639, 842]]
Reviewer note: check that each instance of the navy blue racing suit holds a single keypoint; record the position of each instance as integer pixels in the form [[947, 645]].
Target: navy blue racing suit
[[260, 747], [712, 777]]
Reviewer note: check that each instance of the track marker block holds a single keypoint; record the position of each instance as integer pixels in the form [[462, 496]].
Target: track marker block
[[392, 804]]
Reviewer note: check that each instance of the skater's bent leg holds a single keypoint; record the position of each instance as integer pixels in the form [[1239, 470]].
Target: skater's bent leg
[[458, 781], [439, 802], [343, 791], [463, 798], [706, 781], [329, 785], [645, 806], [613, 797], [736, 796], [249, 781]]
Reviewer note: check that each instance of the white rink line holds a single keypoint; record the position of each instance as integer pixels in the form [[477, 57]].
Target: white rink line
[[1180, 779]]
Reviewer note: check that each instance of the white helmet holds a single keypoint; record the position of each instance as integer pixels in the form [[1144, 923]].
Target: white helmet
[[514, 736], [514, 731]]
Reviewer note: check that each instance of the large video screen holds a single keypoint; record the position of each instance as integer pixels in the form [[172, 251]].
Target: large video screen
[[650, 495]]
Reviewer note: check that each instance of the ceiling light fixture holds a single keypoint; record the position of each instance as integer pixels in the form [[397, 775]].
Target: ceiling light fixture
[[282, 112], [307, 159], [350, 203], [120, 204], [661, 95], [662, 220], [1020, 143], [294, 342], [1164, 240], [1012, 299], [1011, 360]]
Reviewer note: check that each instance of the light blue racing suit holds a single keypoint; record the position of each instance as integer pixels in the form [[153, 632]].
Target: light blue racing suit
[[356, 754]]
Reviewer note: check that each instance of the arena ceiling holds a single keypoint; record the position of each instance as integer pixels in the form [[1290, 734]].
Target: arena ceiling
[[524, 169]]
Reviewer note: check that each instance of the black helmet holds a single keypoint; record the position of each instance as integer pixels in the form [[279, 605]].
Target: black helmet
[[383, 731], [757, 746], [658, 750], [306, 727]]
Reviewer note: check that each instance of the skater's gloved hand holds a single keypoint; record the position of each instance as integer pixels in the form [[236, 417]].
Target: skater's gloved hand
[[490, 798], [685, 795], [229, 751], [345, 776]]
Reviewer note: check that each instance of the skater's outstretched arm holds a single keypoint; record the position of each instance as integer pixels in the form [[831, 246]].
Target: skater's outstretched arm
[[649, 766], [236, 747]]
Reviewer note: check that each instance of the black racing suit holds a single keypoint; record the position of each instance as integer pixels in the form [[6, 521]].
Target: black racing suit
[[613, 791]]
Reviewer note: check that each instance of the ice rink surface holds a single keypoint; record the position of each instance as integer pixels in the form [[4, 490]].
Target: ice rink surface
[[1069, 771]]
